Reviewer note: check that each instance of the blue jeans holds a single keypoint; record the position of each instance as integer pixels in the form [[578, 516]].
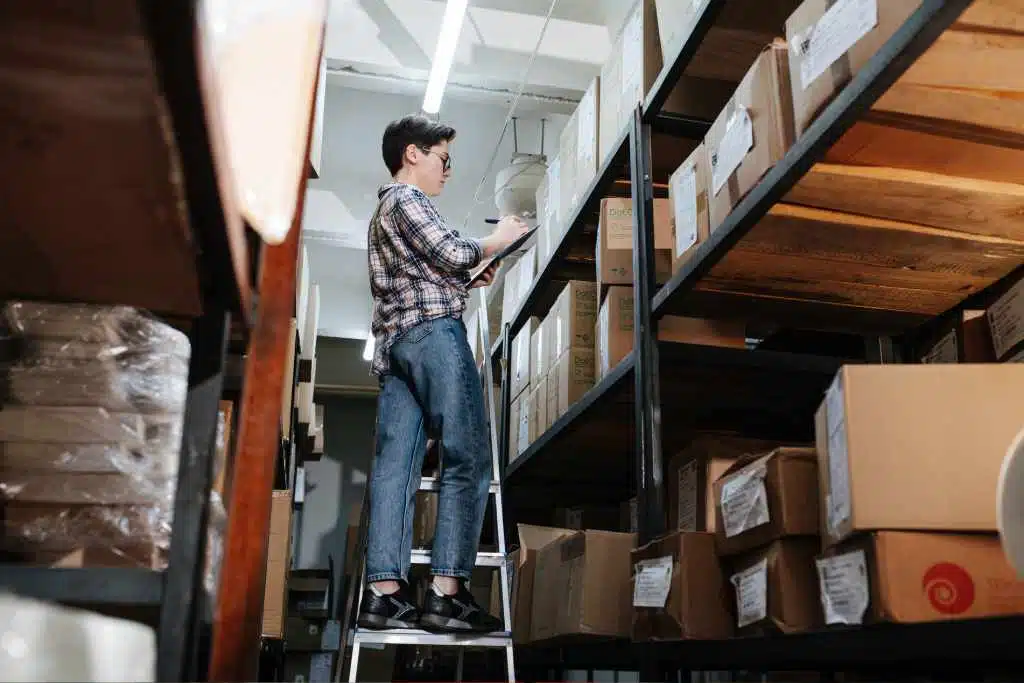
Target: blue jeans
[[433, 385]]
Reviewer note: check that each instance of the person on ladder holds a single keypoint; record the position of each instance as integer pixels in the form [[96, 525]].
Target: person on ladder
[[419, 279]]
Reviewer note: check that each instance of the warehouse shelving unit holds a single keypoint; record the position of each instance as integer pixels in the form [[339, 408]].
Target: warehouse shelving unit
[[583, 457], [118, 197]]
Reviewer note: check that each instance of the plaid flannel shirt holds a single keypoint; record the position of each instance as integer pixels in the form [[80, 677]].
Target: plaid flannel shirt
[[419, 267]]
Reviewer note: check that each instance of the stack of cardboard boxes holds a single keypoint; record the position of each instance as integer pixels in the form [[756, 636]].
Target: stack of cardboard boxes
[[884, 519]]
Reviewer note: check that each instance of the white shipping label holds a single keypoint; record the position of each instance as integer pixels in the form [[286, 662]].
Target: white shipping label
[[737, 141], [751, 586], [944, 351], [844, 588], [684, 206], [686, 518], [1006, 318], [832, 36], [838, 497], [744, 500], [633, 56], [653, 582]]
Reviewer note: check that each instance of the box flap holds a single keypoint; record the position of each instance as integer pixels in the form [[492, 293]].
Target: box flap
[[532, 538]]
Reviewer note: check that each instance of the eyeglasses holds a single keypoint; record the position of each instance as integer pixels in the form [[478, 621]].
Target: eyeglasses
[[446, 160]]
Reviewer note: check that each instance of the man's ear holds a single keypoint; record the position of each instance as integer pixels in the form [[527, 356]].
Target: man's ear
[[410, 153]]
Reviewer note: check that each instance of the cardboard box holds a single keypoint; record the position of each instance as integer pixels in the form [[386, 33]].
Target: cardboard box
[[967, 339], [679, 590], [567, 155], [688, 194], [521, 437], [1006, 322], [582, 586], [538, 357], [570, 378], [691, 474], [829, 44], [522, 567], [614, 252], [615, 330], [279, 552], [606, 518], [910, 577], [753, 132], [513, 429], [510, 293], [538, 409], [915, 447], [776, 587], [587, 147], [521, 353], [570, 323], [762, 498]]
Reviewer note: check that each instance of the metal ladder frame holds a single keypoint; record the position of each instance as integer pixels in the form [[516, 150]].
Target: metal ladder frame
[[354, 637]]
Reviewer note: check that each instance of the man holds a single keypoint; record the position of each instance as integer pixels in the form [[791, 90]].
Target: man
[[429, 384]]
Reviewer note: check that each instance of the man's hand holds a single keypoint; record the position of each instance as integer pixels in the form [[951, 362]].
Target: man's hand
[[486, 277], [510, 228]]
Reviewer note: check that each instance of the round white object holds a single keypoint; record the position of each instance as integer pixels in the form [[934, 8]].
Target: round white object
[[1010, 504]]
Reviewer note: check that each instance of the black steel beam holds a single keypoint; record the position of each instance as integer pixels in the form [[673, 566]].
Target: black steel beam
[[646, 397], [852, 102], [181, 614]]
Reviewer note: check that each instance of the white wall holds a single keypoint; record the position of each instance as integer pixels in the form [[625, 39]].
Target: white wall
[[342, 201]]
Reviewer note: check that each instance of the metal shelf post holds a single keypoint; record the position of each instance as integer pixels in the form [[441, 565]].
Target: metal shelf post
[[646, 400]]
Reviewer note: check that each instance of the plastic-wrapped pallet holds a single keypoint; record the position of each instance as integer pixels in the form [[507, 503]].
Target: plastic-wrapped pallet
[[90, 432]]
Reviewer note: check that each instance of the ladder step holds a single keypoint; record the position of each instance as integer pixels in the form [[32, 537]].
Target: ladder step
[[434, 484], [418, 637], [422, 556]]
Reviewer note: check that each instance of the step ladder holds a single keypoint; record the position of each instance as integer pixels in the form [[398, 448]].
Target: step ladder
[[355, 637]]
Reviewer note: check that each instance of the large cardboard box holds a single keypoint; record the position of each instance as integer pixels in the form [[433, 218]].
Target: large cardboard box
[[522, 347], [570, 378], [570, 322], [538, 356], [567, 155], [587, 138], [762, 498], [615, 330], [829, 43], [966, 339], [582, 586], [776, 587], [522, 569], [688, 189], [915, 447], [275, 590], [680, 590], [538, 409], [912, 577], [522, 435], [513, 429], [614, 253], [753, 132], [691, 474]]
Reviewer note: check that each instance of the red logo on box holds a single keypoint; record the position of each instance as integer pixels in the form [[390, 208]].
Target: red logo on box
[[950, 589]]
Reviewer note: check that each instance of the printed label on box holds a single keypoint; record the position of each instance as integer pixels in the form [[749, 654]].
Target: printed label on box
[[653, 581], [1006, 319], [686, 518], [838, 497], [844, 587], [832, 36], [944, 351], [744, 500], [751, 586], [737, 141], [684, 204]]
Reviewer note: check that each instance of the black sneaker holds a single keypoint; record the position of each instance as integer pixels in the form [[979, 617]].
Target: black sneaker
[[397, 610], [457, 613]]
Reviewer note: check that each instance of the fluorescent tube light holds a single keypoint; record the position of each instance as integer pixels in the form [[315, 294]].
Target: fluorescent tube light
[[368, 349], [444, 54]]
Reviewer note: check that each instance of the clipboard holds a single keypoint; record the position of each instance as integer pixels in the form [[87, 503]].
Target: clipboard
[[475, 274]]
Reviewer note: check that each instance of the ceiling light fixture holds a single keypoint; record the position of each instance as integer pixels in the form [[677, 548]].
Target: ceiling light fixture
[[444, 54]]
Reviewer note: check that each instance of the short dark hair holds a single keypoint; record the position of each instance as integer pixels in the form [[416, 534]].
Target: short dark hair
[[414, 129]]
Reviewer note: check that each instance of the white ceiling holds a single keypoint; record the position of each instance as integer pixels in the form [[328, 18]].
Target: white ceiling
[[378, 54]]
